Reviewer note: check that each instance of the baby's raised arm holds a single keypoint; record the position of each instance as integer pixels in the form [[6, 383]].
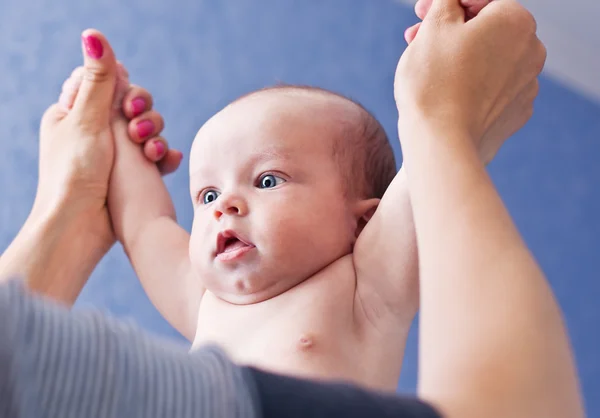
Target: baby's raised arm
[[386, 259], [388, 277], [144, 221]]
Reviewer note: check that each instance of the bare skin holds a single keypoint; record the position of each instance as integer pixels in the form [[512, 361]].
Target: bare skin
[[317, 296], [422, 7], [335, 309], [312, 343], [493, 342], [302, 316], [477, 298], [69, 229]]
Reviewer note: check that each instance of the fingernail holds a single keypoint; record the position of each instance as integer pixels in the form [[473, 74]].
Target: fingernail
[[93, 46], [160, 148], [138, 105], [145, 128]]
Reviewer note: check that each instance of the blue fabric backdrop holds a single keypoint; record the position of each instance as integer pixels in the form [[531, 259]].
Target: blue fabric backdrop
[[196, 55]]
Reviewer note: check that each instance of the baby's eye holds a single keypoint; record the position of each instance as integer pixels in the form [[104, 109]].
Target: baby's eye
[[209, 196], [269, 180]]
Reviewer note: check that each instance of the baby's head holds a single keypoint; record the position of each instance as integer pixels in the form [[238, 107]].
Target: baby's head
[[282, 181]]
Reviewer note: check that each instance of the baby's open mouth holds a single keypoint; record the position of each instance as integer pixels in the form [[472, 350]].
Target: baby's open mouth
[[230, 245]]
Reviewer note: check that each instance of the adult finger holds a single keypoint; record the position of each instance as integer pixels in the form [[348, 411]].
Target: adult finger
[[93, 104], [136, 101]]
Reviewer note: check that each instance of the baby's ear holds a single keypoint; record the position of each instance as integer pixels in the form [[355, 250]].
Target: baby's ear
[[364, 211]]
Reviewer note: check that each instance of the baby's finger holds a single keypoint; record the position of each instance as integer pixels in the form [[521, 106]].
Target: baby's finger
[[411, 33], [145, 126], [122, 71], [473, 7], [68, 93], [136, 101], [69, 89], [122, 86], [78, 73], [422, 8], [170, 162], [74, 80], [71, 85]]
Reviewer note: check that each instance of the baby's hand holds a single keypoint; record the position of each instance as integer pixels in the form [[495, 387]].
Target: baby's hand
[[472, 9]]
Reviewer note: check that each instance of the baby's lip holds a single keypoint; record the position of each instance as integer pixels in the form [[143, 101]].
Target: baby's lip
[[224, 236]]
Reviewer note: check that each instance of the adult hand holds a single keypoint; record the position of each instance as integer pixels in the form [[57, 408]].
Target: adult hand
[[514, 116], [68, 230], [479, 76], [76, 140]]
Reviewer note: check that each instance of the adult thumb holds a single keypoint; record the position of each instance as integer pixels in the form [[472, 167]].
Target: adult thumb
[[93, 104], [446, 10]]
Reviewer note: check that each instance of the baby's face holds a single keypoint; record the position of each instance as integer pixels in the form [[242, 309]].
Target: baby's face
[[270, 209]]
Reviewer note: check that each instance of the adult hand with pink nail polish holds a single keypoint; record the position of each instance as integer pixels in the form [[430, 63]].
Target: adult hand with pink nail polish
[[144, 126], [69, 228]]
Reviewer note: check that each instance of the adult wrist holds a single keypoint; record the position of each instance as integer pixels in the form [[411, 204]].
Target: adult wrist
[[57, 250], [422, 135], [421, 120]]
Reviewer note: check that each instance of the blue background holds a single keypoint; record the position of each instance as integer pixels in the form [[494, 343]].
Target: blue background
[[197, 55]]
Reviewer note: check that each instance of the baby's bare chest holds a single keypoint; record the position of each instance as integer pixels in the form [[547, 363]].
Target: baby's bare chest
[[312, 317], [313, 330]]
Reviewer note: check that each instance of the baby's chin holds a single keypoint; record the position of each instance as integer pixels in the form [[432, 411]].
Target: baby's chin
[[245, 291]]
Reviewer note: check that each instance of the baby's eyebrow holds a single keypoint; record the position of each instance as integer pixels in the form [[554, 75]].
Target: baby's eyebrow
[[262, 156], [268, 154], [200, 172]]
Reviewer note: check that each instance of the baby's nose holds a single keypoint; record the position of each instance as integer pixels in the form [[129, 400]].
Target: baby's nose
[[230, 204]]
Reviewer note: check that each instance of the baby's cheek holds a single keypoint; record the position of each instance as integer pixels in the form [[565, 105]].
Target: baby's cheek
[[296, 232]]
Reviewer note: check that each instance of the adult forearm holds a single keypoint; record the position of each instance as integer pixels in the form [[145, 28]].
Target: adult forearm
[[491, 331], [55, 253]]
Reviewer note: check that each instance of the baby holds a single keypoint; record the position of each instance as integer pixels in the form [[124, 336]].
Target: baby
[[289, 266], [302, 256]]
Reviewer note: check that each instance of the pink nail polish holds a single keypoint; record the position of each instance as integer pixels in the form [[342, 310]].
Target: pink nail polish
[[138, 105], [160, 148], [93, 46], [145, 128]]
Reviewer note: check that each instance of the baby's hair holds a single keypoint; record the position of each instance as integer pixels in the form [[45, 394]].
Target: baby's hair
[[363, 151]]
